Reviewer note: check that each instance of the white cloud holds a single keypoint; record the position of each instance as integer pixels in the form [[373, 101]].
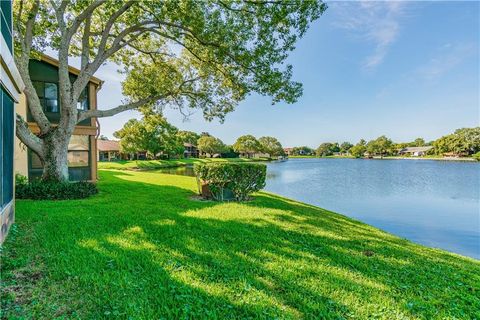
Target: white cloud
[[374, 21]]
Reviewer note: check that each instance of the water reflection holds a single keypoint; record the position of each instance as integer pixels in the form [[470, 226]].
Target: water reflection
[[435, 203]]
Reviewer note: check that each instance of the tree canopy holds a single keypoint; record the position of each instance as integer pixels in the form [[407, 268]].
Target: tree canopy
[[271, 146], [152, 134], [188, 137], [206, 55], [247, 144], [210, 145]]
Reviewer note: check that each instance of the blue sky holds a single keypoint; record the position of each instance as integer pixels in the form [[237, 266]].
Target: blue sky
[[403, 69]]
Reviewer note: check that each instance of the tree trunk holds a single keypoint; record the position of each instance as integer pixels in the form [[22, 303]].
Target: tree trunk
[[55, 164]]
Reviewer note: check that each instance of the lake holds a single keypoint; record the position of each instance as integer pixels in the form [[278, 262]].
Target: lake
[[434, 203]]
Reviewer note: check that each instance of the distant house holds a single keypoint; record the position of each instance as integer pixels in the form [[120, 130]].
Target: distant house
[[109, 150], [415, 151], [190, 151], [288, 151]]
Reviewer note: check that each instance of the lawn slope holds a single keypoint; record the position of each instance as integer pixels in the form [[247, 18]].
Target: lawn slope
[[144, 249]]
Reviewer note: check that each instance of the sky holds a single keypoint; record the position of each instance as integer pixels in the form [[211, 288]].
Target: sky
[[401, 69]]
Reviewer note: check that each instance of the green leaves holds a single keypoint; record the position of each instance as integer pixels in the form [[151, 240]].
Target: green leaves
[[152, 134], [241, 179]]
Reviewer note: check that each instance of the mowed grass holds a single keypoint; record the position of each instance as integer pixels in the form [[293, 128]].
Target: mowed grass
[[143, 248], [158, 164]]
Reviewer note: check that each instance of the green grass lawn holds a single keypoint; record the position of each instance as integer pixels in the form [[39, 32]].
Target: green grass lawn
[[158, 164], [144, 249]]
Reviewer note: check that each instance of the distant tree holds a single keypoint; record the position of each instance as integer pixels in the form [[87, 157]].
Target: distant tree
[[102, 137], [359, 149], [228, 152], [325, 149], [210, 145], [248, 145], [271, 146], [303, 150], [419, 142], [152, 134], [345, 147], [188, 137], [462, 141], [381, 146]]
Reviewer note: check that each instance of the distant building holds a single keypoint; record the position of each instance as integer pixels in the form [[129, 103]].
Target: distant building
[[415, 151], [288, 151], [191, 151], [109, 150]]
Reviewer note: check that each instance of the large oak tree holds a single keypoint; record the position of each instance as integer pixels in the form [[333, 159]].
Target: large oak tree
[[206, 55]]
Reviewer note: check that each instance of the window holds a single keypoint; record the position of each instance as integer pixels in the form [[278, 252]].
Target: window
[[82, 103], [78, 151], [51, 98], [36, 162], [48, 94], [78, 159], [6, 146]]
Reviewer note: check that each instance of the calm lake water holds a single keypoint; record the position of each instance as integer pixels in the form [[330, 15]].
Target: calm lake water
[[435, 203]]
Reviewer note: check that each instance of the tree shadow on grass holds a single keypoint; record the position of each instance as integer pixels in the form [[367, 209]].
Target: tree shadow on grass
[[143, 249]]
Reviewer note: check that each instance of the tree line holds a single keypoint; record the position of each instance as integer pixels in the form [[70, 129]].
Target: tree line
[[462, 142], [161, 139]]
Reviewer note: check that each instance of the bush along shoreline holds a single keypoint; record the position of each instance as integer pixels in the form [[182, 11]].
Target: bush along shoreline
[[230, 181]]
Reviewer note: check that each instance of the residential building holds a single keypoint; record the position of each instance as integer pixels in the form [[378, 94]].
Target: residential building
[[191, 151], [11, 86], [288, 151], [109, 150], [82, 150], [415, 151]]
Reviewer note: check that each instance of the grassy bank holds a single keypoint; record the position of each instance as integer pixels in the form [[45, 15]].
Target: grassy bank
[[158, 164], [144, 249]]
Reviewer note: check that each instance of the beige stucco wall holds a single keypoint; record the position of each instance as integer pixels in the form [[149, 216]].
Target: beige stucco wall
[[20, 156]]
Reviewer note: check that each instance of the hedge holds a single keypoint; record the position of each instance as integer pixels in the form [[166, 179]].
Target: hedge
[[40, 190], [241, 179]]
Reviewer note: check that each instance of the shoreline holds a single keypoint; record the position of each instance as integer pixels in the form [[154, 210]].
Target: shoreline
[[388, 158]]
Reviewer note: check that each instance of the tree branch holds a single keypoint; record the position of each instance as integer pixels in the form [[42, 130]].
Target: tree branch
[[111, 112], [27, 137]]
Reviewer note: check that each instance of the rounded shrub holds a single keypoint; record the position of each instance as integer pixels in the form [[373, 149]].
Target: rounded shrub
[[237, 181]]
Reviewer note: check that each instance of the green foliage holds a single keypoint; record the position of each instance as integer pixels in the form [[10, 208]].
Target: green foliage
[[419, 142], [302, 151], [247, 144], [20, 179], [41, 190], [345, 147], [381, 146], [188, 137], [463, 141], [327, 149], [359, 149], [152, 134], [241, 179], [476, 156], [271, 146], [210, 145]]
